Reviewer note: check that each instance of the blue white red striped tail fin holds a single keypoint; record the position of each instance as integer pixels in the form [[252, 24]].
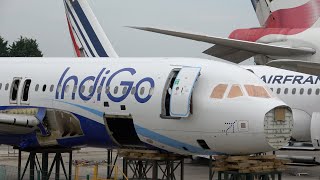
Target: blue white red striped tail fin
[[87, 35]]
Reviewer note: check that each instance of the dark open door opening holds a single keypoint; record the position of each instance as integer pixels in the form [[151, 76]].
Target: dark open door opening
[[121, 130]]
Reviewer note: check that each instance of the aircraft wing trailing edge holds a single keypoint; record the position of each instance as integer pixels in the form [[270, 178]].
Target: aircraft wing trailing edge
[[312, 68], [235, 50]]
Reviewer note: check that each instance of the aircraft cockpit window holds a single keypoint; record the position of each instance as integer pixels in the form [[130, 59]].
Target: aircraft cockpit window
[[219, 91], [44, 88], [309, 91], [257, 91], [51, 88], [235, 91], [318, 91], [301, 91]]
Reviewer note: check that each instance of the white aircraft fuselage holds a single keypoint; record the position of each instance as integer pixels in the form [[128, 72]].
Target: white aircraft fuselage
[[135, 103]]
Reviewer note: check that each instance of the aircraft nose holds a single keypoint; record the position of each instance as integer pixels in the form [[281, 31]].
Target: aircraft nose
[[278, 126]]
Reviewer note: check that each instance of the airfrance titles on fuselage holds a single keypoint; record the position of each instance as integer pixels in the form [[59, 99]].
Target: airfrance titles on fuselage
[[104, 83], [291, 79]]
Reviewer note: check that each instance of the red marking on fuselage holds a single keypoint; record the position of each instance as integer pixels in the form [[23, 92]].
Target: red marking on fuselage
[[284, 21]]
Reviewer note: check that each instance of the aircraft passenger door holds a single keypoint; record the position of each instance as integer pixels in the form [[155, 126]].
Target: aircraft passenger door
[[25, 92], [14, 90], [180, 100]]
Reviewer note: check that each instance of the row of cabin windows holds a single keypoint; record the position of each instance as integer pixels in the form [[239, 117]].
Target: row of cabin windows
[[294, 91], [99, 89], [74, 90], [237, 91]]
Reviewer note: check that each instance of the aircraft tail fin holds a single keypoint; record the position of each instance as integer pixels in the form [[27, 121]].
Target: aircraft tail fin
[[287, 14], [87, 35]]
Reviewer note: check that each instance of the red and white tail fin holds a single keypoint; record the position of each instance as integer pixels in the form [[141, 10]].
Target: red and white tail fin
[[287, 13], [87, 35]]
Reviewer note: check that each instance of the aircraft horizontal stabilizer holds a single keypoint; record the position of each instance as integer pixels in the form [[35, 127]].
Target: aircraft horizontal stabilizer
[[235, 50], [312, 68]]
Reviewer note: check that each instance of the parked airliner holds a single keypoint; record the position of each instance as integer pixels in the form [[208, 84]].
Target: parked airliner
[[177, 105], [287, 39]]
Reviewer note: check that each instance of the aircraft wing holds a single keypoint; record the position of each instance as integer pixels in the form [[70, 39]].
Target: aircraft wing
[[312, 68], [235, 50]]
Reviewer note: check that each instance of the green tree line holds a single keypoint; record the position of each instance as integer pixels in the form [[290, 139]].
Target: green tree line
[[23, 47]]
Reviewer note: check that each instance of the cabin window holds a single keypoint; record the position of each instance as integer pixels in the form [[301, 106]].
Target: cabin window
[[74, 89], [44, 88], [124, 90], [7, 86], [26, 88], [51, 88], [14, 89], [235, 92], [271, 89], [278, 91], [107, 89], [133, 90], [116, 89], [66, 90], [309, 91], [59, 88], [99, 90], [0, 86], [83, 88], [37, 87], [142, 91], [90, 89], [257, 91], [294, 90], [151, 91], [286, 90], [318, 91], [301, 91], [219, 91]]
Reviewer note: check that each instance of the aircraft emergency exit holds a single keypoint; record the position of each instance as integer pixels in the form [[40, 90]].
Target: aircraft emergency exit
[[287, 38], [178, 105]]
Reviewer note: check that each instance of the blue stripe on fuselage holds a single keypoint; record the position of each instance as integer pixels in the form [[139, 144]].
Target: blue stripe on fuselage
[[88, 28]]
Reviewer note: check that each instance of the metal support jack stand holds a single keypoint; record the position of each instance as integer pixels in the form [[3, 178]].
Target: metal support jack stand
[[141, 168], [42, 169], [111, 163]]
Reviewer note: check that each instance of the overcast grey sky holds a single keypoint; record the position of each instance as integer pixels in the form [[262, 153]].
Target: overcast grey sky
[[45, 21]]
